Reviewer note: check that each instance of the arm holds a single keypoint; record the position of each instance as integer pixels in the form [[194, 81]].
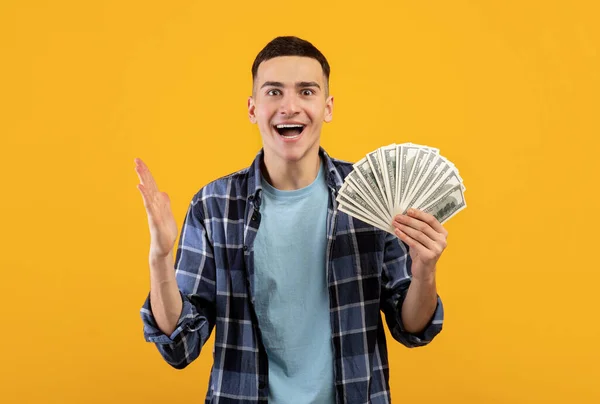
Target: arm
[[426, 239], [179, 312], [419, 305], [413, 309], [396, 281], [166, 302]]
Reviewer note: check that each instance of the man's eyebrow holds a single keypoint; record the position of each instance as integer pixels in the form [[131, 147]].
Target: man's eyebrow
[[304, 84], [272, 84], [301, 84]]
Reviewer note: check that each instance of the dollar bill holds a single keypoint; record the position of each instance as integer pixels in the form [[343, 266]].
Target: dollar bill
[[438, 174], [374, 159], [435, 168], [448, 205], [388, 156], [359, 185], [360, 216], [451, 179], [412, 176], [396, 177], [424, 170], [400, 160], [364, 171], [350, 196], [407, 160]]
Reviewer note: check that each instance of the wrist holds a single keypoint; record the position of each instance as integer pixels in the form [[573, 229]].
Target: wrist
[[424, 281], [161, 270], [158, 260]]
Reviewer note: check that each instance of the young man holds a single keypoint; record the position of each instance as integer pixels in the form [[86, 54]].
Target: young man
[[293, 287]]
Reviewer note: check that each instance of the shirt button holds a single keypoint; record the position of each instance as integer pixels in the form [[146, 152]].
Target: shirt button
[[254, 218], [245, 247]]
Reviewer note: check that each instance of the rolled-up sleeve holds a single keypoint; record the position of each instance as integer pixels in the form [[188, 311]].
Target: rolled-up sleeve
[[395, 280], [195, 274]]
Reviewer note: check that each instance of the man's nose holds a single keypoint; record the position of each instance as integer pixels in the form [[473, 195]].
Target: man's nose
[[289, 105]]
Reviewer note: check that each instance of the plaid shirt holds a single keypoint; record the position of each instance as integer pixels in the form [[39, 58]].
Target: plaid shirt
[[368, 271]]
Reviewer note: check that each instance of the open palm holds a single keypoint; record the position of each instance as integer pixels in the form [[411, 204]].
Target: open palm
[[163, 228]]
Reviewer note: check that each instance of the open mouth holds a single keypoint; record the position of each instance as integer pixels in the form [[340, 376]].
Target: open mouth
[[290, 130]]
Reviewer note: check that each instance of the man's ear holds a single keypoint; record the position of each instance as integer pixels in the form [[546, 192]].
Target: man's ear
[[328, 109], [251, 110]]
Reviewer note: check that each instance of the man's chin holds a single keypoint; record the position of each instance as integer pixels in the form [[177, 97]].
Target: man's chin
[[291, 154]]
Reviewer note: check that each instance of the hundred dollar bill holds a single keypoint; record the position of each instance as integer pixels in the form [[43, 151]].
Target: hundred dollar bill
[[360, 216], [450, 180], [363, 170], [377, 168], [407, 160], [412, 176], [364, 216], [396, 177], [438, 174], [424, 170], [350, 196], [401, 175], [396, 207], [429, 174], [388, 155], [427, 148], [357, 183], [448, 205], [441, 176]]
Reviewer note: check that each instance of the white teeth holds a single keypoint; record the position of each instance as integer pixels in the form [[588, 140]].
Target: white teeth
[[289, 126]]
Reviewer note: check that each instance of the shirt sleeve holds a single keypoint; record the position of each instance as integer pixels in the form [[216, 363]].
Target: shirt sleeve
[[395, 280], [195, 274]]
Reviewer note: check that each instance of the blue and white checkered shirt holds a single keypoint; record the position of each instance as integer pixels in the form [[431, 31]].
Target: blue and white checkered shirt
[[368, 272]]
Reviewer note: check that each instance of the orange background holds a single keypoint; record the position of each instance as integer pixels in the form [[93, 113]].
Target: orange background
[[508, 92]]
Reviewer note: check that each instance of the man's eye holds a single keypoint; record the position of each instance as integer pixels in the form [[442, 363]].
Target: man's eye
[[273, 92], [307, 92]]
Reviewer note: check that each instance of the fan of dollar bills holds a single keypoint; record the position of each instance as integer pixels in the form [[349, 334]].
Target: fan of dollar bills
[[394, 178]]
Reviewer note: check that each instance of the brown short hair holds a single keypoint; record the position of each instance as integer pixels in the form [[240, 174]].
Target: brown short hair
[[291, 46]]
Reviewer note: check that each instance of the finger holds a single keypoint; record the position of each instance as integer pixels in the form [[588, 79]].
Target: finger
[[429, 219], [145, 176], [417, 235], [139, 170], [150, 201], [411, 242], [145, 197], [419, 225]]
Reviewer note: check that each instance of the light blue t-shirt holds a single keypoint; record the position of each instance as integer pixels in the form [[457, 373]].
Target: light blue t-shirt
[[291, 296]]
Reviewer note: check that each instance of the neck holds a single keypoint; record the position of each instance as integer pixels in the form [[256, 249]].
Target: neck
[[290, 175]]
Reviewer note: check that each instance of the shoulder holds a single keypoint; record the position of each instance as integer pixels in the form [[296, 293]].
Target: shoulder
[[212, 199], [342, 167]]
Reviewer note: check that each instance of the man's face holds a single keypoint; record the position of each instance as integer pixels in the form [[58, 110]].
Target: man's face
[[289, 104]]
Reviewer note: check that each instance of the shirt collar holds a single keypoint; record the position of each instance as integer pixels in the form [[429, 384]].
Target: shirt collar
[[332, 175]]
